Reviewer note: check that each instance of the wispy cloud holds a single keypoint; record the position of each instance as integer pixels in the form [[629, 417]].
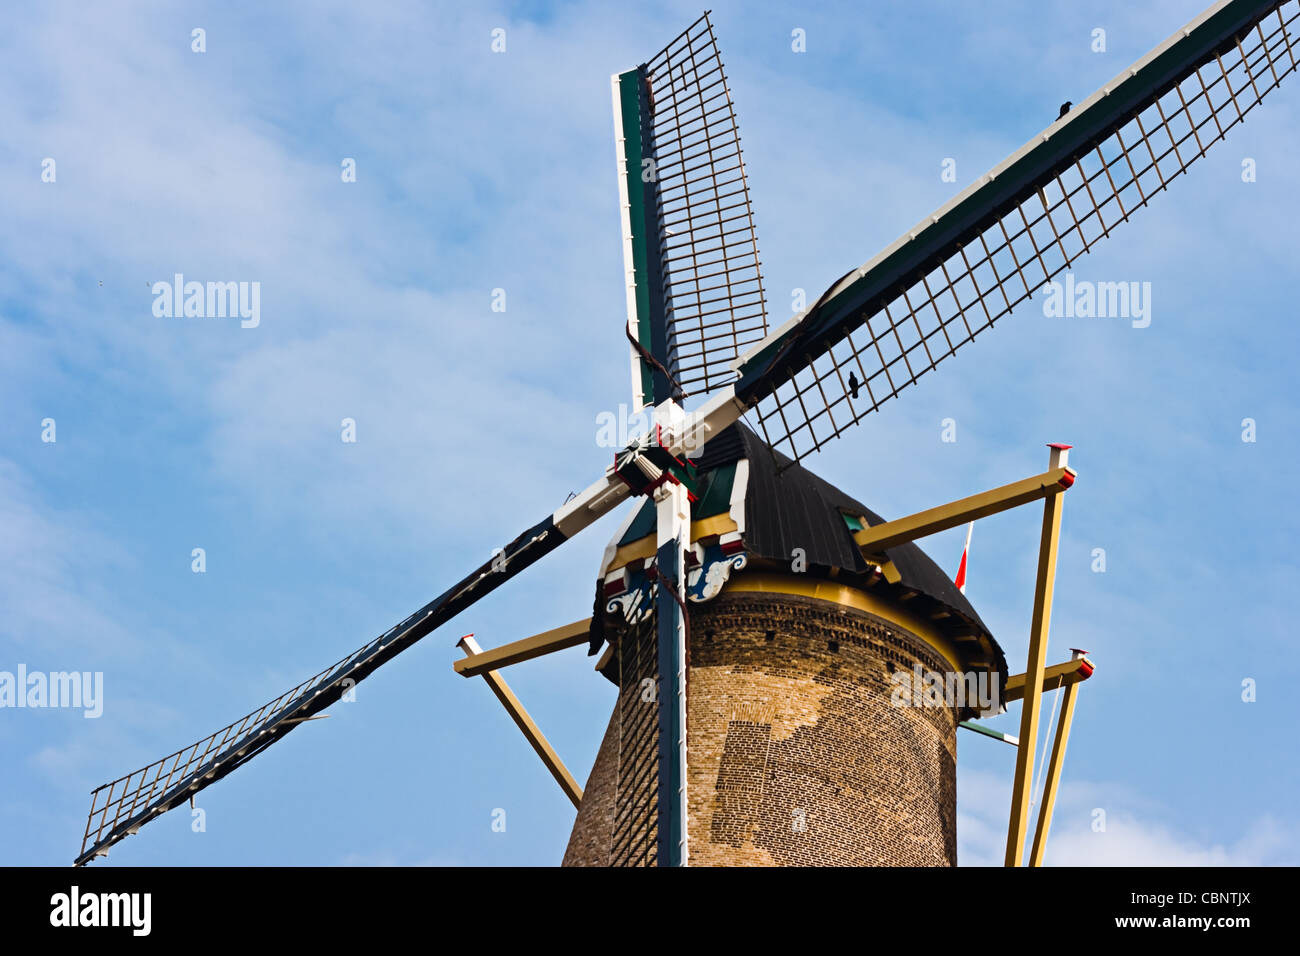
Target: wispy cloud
[[1096, 824]]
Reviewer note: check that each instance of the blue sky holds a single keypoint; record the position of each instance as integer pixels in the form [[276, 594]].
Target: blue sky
[[479, 171]]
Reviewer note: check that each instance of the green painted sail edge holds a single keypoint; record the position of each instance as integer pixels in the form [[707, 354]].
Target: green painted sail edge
[[630, 102]]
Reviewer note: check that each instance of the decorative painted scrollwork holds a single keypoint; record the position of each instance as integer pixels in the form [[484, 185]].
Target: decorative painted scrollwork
[[705, 581], [634, 605]]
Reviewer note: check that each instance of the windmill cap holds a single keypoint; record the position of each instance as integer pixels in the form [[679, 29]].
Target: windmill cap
[[785, 506]]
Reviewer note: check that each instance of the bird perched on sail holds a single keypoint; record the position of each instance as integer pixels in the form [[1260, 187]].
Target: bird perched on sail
[[1042, 194]]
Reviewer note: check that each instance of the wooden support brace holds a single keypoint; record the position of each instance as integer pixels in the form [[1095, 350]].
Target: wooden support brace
[[1049, 542], [556, 639], [1058, 675], [890, 534], [525, 723], [1056, 761]]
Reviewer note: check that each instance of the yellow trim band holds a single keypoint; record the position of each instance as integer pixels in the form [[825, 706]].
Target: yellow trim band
[[834, 593]]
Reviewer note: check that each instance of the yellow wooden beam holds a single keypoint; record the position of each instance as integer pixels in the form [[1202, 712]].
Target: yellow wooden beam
[[556, 639], [645, 547], [887, 569], [1058, 675], [525, 723], [1033, 685], [1054, 765], [890, 534]]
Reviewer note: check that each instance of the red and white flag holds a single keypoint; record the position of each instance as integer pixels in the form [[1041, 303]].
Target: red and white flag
[[960, 580]]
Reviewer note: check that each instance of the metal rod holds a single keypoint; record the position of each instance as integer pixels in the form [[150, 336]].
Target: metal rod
[[990, 732]]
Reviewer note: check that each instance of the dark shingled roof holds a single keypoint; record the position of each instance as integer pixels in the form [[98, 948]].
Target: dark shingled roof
[[788, 507]]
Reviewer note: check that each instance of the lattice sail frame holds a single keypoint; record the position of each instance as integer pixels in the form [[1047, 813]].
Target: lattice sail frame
[[703, 248], [887, 326], [120, 808], [191, 768]]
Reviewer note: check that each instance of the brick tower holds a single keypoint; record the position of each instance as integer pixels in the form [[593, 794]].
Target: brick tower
[[815, 732]]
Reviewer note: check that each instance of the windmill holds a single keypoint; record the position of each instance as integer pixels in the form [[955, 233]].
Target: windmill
[[697, 330]]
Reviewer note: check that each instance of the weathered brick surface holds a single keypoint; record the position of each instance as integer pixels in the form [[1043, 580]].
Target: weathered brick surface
[[796, 756], [617, 822], [593, 831]]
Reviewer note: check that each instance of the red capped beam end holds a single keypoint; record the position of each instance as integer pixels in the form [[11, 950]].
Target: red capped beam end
[[1060, 453]]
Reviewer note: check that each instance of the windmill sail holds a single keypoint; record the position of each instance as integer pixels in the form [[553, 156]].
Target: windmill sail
[[695, 290], [695, 303], [118, 809], [884, 325]]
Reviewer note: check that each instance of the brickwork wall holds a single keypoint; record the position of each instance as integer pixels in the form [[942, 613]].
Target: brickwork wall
[[592, 839], [796, 756], [617, 823]]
